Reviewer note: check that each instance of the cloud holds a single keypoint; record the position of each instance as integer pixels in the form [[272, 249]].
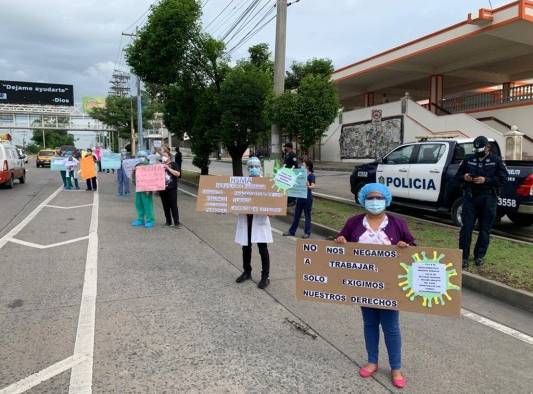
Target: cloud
[[77, 42]]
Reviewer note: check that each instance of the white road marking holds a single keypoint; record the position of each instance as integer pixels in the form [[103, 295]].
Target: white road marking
[[81, 377], [466, 313], [336, 198], [39, 246], [497, 326], [15, 230], [74, 207], [41, 376]]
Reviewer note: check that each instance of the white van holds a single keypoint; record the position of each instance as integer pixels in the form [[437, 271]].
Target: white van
[[11, 165]]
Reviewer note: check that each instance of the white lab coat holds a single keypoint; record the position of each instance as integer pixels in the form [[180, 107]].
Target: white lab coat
[[261, 230]]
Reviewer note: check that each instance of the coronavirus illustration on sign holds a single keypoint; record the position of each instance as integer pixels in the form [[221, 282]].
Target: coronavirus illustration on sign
[[428, 278], [285, 178]]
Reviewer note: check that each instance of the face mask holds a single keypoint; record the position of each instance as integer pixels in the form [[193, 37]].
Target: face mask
[[254, 171], [164, 159], [375, 206]]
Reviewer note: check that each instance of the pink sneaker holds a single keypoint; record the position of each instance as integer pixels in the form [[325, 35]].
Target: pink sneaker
[[399, 382], [365, 373]]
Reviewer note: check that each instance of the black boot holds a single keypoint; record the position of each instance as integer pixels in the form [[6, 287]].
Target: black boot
[[244, 276], [264, 282], [479, 261], [465, 263]]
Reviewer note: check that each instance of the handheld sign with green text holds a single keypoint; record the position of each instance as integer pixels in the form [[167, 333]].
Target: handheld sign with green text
[[241, 195], [414, 279]]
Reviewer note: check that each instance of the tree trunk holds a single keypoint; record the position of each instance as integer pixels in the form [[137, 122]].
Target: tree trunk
[[236, 153]]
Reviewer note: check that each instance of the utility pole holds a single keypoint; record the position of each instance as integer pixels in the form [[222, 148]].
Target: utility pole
[[140, 131], [132, 147], [44, 141], [279, 68]]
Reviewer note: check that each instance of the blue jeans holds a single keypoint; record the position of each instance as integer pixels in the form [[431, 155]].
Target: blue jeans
[[123, 182], [390, 323], [305, 205]]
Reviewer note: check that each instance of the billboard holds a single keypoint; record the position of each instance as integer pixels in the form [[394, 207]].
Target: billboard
[[89, 102], [13, 92]]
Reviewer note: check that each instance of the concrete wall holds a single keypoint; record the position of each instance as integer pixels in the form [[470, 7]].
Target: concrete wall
[[418, 122]]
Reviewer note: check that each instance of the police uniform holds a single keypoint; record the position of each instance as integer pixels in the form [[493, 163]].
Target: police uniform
[[479, 200], [291, 160]]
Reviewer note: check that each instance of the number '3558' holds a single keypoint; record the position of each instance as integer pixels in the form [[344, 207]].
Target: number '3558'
[[507, 202]]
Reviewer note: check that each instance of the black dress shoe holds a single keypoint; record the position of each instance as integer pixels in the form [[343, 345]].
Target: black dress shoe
[[465, 263], [263, 283], [244, 276], [287, 234], [479, 262], [305, 236]]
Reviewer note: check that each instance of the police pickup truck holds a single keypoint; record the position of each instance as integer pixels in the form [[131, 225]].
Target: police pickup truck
[[421, 175]]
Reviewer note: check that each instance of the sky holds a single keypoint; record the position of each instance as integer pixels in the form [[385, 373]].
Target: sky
[[79, 41]]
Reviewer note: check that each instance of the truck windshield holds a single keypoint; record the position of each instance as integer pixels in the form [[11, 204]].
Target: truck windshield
[[467, 148]]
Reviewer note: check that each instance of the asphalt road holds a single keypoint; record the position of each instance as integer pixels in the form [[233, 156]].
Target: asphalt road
[[337, 184], [135, 310]]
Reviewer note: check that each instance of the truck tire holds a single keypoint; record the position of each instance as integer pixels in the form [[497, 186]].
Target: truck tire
[[456, 210], [10, 183], [520, 219]]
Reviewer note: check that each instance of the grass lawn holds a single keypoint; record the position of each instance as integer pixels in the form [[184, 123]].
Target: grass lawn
[[507, 262]]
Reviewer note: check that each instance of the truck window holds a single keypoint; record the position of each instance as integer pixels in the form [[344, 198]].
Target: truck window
[[430, 153], [461, 150], [402, 155]]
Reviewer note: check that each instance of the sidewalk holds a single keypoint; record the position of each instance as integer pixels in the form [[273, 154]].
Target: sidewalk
[[170, 316]]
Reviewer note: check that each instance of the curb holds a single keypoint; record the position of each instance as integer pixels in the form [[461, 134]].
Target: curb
[[518, 298]]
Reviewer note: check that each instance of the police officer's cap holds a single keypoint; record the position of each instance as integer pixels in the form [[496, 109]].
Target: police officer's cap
[[480, 143]]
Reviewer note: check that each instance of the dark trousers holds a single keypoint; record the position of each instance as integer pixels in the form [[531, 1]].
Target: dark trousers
[[304, 205], [91, 184], [247, 253], [169, 199], [482, 208]]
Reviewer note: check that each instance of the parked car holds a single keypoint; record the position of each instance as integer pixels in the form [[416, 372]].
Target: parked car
[[11, 165], [44, 157], [421, 175]]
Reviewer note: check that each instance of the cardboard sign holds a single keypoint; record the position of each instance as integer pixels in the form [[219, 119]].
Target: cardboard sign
[[268, 168], [150, 178], [111, 161], [414, 279], [129, 164], [58, 164], [87, 167], [241, 195], [299, 190]]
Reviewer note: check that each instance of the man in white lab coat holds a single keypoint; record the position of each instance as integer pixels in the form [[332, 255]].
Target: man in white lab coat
[[254, 229]]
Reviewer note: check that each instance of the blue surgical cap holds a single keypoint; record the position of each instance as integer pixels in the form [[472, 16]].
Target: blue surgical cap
[[374, 187], [253, 161]]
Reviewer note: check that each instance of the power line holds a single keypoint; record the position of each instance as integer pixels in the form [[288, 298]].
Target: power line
[[142, 16], [241, 17], [235, 11], [219, 14], [248, 22]]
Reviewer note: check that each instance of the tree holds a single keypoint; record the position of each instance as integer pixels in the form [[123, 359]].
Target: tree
[[243, 96], [299, 71], [53, 138], [204, 132], [260, 57], [312, 105], [160, 53]]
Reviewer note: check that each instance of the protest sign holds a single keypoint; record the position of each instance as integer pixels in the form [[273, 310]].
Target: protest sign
[[414, 279], [157, 143], [111, 161], [299, 190], [129, 164], [87, 167], [150, 178], [241, 195], [57, 164], [268, 168]]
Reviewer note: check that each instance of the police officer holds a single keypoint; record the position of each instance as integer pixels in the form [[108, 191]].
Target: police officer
[[483, 174], [290, 157]]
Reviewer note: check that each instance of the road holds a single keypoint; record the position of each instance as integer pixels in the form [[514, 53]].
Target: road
[[337, 184], [89, 304]]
